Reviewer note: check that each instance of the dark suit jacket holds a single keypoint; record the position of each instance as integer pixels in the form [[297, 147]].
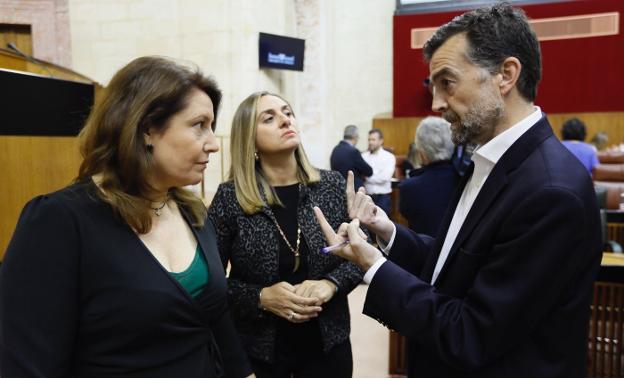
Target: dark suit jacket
[[346, 157], [424, 197], [251, 244], [81, 296], [512, 299]]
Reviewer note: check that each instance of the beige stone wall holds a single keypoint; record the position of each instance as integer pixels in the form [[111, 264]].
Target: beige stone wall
[[220, 36], [348, 71], [352, 81], [361, 62], [49, 21]]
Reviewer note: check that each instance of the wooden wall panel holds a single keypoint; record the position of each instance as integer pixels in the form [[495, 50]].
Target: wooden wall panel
[[399, 132], [610, 122], [19, 35], [31, 166], [12, 61]]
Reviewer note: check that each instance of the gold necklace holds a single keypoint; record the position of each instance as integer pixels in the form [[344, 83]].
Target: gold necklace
[[295, 250]]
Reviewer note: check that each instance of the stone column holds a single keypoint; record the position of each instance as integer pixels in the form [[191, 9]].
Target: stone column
[[312, 111]]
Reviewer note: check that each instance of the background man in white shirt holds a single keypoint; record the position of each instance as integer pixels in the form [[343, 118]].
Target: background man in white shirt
[[505, 288], [379, 184]]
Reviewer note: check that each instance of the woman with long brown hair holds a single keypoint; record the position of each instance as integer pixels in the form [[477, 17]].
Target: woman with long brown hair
[[118, 274], [288, 299]]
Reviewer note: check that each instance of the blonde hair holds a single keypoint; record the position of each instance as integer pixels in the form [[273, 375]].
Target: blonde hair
[[143, 94], [245, 171]]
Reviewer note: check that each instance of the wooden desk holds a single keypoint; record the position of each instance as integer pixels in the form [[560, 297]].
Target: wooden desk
[[612, 259]]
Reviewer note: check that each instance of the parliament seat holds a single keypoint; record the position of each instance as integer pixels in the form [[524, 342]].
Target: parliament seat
[[608, 157]]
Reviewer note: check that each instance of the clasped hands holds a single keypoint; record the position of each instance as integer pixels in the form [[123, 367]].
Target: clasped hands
[[363, 212], [297, 303], [302, 302]]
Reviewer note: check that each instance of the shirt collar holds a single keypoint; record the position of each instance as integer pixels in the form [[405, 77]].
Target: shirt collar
[[493, 150]]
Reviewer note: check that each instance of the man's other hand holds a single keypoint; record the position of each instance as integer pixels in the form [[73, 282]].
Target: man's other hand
[[357, 250]]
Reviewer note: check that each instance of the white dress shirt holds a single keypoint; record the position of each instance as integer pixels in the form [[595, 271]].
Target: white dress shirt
[[485, 158], [383, 164]]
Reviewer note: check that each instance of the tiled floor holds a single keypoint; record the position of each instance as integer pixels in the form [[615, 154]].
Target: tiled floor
[[369, 340]]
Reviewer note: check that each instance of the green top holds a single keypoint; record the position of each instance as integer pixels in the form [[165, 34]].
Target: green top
[[196, 276]]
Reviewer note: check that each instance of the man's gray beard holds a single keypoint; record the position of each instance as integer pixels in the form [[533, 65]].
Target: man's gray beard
[[469, 129], [478, 123]]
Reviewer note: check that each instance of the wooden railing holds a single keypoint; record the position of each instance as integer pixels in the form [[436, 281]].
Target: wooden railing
[[606, 333]]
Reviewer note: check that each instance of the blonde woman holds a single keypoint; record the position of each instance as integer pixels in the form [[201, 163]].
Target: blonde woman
[[288, 299]]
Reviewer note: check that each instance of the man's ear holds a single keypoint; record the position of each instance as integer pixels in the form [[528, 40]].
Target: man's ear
[[510, 72]]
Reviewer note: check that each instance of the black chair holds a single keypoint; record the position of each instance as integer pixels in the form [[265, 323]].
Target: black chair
[[608, 245]]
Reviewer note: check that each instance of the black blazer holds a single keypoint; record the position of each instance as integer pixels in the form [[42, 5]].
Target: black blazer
[[512, 299], [250, 243], [81, 296], [345, 157], [424, 197]]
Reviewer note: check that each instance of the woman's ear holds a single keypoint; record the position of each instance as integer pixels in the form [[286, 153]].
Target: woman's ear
[[510, 72], [147, 136]]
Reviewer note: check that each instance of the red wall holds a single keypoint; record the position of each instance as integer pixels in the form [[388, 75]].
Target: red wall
[[578, 75]]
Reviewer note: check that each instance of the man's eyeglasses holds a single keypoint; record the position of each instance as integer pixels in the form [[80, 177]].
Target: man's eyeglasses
[[427, 84]]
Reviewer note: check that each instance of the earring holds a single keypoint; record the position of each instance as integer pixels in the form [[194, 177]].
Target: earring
[[149, 147], [256, 155]]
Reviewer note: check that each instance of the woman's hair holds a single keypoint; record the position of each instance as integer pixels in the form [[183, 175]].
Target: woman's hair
[[245, 170], [573, 129], [144, 94], [600, 140], [433, 138]]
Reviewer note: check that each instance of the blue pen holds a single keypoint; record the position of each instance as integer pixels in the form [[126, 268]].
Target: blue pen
[[334, 247]]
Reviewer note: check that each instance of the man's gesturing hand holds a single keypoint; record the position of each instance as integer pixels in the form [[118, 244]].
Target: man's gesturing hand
[[361, 206], [358, 250]]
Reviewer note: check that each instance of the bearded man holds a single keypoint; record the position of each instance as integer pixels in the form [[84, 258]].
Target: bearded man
[[504, 290]]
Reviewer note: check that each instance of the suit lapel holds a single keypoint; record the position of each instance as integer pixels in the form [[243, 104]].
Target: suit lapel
[[444, 226], [495, 183]]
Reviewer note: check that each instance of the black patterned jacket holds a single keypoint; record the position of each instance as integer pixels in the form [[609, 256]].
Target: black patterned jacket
[[251, 244]]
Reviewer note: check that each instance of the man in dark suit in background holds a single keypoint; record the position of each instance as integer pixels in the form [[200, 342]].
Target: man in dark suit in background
[[345, 157], [504, 290]]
